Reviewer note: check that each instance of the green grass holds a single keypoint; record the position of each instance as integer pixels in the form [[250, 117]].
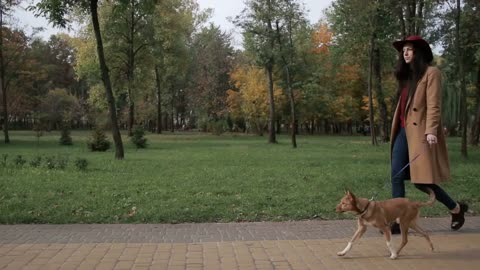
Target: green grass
[[205, 178]]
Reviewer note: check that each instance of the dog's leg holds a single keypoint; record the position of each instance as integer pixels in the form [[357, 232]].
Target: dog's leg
[[388, 237], [360, 230], [417, 228], [404, 230]]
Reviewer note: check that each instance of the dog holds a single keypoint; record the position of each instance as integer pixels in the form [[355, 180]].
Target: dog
[[381, 214]]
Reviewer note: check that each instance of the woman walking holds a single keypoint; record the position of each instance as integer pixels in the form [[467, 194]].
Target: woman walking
[[417, 131]]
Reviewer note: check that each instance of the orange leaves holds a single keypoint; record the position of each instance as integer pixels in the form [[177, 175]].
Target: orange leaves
[[349, 73], [322, 39]]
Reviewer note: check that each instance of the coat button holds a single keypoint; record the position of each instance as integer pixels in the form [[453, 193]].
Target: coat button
[[414, 123], [414, 109]]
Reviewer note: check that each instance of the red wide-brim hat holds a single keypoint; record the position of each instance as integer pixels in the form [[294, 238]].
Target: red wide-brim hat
[[418, 42]]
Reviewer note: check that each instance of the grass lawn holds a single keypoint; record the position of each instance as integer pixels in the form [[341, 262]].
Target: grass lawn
[[205, 178]]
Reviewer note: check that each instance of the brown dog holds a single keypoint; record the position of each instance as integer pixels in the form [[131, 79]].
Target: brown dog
[[381, 214]]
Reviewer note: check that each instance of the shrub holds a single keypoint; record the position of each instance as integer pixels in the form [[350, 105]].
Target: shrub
[[61, 162], [3, 161], [65, 138], [216, 127], [50, 162], [138, 138], [19, 160], [36, 161], [81, 164], [98, 141]]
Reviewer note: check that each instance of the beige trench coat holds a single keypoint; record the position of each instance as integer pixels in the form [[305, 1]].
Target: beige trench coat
[[424, 117]]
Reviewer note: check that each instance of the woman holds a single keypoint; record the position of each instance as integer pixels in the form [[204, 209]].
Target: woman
[[417, 134]]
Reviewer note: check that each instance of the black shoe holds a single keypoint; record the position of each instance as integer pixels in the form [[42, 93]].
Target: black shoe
[[459, 219], [395, 228]]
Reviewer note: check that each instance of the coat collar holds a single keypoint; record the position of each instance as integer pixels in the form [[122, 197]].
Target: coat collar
[[409, 100]]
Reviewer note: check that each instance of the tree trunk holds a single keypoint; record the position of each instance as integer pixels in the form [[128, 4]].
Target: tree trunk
[[401, 19], [130, 71], [463, 90], [293, 130], [380, 97], [172, 116], [131, 117], [419, 25], [475, 134], [269, 67], [117, 138], [2, 83], [370, 98], [271, 122], [292, 110], [408, 18], [159, 100]]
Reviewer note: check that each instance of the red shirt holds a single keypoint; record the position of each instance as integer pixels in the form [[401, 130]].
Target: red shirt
[[403, 105]]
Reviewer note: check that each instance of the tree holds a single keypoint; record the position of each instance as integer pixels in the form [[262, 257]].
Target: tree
[[410, 16], [291, 21], [362, 34], [173, 22], [257, 22], [56, 12], [212, 53], [58, 108], [5, 9], [456, 86], [250, 100], [463, 90], [471, 41], [126, 32]]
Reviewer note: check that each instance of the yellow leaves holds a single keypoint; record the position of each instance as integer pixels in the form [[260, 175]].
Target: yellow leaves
[[322, 39], [343, 106], [251, 100], [366, 106], [349, 73]]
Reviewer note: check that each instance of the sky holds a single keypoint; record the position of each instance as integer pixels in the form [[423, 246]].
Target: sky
[[222, 10]]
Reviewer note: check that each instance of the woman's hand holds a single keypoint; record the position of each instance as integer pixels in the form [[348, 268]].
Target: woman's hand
[[431, 139]]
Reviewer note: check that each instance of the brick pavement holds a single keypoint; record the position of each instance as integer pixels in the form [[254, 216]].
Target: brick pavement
[[263, 245]]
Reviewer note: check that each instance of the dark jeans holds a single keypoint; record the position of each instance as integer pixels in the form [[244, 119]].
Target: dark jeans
[[399, 161]]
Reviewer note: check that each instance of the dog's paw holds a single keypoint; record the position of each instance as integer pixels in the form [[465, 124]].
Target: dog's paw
[[393, 256], [341, 253]]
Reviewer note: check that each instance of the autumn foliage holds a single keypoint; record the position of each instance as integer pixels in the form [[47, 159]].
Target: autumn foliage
[[249, 101]]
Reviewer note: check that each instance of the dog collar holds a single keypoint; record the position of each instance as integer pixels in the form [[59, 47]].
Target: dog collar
[[364, 210]]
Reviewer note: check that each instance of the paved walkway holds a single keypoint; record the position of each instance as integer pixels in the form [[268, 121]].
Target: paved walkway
[[265, 245]]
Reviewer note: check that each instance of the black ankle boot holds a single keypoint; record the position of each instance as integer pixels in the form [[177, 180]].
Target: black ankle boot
[[459, 219]]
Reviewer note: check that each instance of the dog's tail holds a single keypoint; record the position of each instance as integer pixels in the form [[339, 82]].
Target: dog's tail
[[430, 201]]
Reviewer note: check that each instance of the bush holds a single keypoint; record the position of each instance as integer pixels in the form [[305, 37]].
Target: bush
[[81, 164], [61, 162], [138, 138], [216, 127], [58, 162], [19, 160], [3, 161], [65, 138], [36, 161], [50, 162], [98, 142]]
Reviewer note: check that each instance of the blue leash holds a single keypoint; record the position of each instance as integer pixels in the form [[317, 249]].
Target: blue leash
[[398, 173]]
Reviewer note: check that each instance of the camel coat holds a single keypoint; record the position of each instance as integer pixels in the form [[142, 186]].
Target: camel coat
[[424, 117]]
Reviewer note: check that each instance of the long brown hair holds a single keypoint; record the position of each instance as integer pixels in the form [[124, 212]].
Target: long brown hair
[[408, 75]]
